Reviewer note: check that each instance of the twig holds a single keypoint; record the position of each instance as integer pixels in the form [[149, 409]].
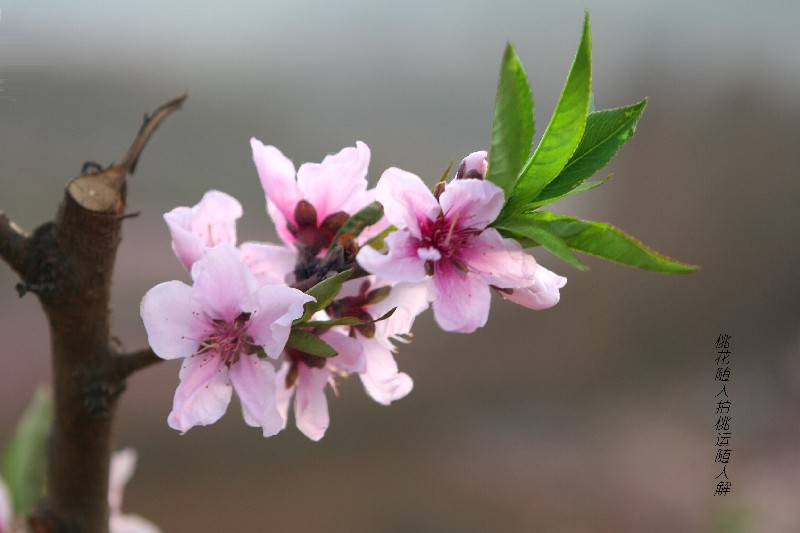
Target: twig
[[13, 245], [127, 364], [151, 122]]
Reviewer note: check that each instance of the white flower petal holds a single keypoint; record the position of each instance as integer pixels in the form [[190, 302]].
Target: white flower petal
[[277, 176], [271, 264], [476, 202], [5, 508], [209, 223], [223, 284], [380, 377], [203, 395], [406, 201], [271, 322], [254, 382], [401, 263], [338, 183], [462, 299], [174, 320], [310, 403], [498, 261]]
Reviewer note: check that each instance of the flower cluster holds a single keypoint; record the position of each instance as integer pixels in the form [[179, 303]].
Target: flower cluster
[[279, 324]]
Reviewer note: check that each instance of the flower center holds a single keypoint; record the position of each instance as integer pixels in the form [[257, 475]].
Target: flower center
[[447, 237], [229, 340]]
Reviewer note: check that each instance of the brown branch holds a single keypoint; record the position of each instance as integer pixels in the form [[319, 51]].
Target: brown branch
[[69, 263], [127, 364], [151, 122], [13, 245]]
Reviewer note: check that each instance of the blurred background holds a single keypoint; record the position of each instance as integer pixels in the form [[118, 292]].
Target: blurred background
[[594, 416]]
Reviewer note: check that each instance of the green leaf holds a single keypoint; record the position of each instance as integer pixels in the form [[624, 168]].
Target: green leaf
[[581, 187], [377, 241], [446, 172], [606, 132], [606, 241], [307, 342], [341, 321], [564, 131], [512, 128], [347, 321], [525, 228], [354, 225], [324, 292], [24, 460]]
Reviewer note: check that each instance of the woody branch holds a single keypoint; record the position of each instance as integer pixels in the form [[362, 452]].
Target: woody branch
[[68, 263]]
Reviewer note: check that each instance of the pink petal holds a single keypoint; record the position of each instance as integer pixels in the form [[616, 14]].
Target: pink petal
[[476, 202], [402, 263], [338, 183], [406, 200], [270, 264], [498, 261], [350, 358], [209, 223], [123, 462], [542, 294], [283, 394], [222, 284], [277, 176], [380, 377], [475, 161], [254, 382], [203, 394], [5, 508], [280, 223], [131, 523], [310, 403], [461, 299], [409, 299], [271, 322], [174, 320]]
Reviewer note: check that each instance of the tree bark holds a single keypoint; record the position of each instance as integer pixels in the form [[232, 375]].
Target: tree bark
[[69, 263]]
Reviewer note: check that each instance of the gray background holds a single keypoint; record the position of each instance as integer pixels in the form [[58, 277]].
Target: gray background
[[596, 415]]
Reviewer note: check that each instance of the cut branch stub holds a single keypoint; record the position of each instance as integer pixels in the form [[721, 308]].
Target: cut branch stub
[[100, 192]]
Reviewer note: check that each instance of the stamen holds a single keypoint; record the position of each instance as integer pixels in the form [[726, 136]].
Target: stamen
[[210, 235], [446, 242]]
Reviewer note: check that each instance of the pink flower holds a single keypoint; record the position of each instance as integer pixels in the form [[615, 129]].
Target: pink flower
[[209, 223], [305, 376], [445, 238], [123, 463], [218, 326], [364, 300], [542, 294], [311, 208], [213, 222]]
